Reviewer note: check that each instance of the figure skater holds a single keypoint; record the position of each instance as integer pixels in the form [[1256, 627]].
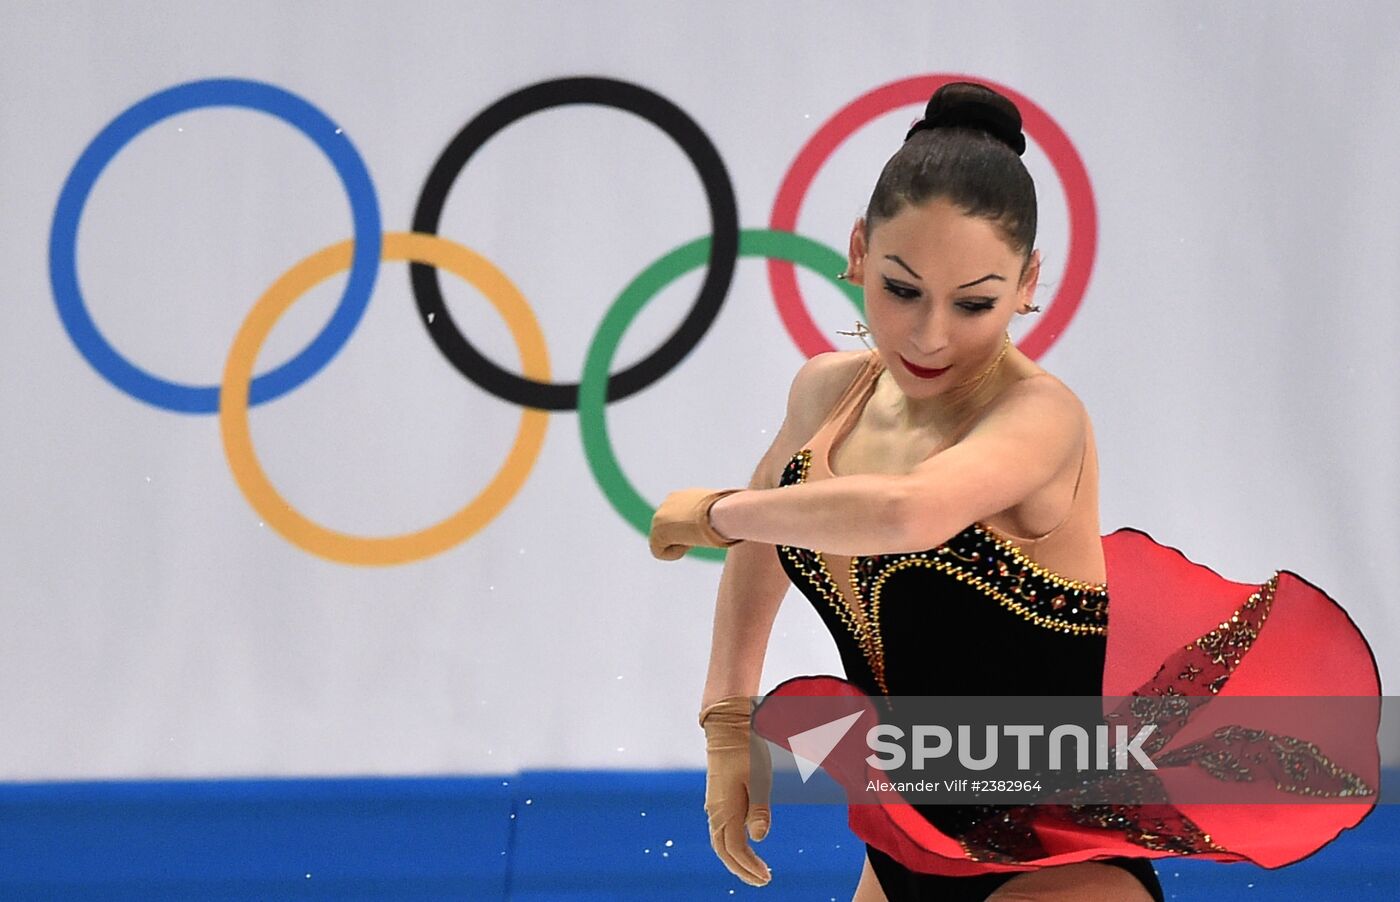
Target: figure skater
[[953, 487]]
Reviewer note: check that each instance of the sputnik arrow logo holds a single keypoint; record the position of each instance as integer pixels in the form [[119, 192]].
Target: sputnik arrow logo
[[810, 747]]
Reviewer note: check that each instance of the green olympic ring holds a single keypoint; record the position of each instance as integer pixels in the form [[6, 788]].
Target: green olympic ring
[[592, 388]]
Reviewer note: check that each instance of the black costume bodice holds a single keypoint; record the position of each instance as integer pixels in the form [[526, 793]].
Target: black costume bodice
[[973, 616]]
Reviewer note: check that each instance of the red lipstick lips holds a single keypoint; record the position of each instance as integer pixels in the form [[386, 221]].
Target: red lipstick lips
[[921, 372]]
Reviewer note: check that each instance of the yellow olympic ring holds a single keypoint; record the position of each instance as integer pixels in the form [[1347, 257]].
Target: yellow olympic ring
[[238, 374]]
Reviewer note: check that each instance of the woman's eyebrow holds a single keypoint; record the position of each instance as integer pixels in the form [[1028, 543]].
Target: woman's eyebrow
[[990, 275], [903, 264]]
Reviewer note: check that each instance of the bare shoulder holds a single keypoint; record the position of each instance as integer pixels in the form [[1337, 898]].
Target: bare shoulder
[[1047, 391], [818, 385], [1036, 428], [1040, 408]]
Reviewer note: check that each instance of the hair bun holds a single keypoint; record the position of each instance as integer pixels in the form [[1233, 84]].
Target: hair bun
[[968, 104]]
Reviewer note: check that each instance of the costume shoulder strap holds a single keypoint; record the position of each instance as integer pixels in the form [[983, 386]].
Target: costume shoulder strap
[[868, 369]]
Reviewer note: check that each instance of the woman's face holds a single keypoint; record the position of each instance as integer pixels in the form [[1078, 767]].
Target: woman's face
[[940, 290]]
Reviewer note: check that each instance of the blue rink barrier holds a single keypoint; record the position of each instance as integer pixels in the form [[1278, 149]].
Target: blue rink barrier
[[563, 836]]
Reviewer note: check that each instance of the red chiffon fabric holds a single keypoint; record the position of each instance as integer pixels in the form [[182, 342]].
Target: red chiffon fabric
[[1175, 628]]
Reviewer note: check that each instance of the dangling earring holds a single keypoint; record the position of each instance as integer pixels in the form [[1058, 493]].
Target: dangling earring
[[842, 276], [1030, 308], [860, 332]]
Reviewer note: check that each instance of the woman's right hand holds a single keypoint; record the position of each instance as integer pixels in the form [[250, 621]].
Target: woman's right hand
[[738, 783]]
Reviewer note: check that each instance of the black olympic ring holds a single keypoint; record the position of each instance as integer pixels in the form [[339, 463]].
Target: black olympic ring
[[724, 245]]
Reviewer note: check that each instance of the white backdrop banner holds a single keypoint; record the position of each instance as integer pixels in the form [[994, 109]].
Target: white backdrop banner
[[347, 347]]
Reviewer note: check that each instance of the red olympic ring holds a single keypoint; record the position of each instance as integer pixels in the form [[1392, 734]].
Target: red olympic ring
[[1074, 178]]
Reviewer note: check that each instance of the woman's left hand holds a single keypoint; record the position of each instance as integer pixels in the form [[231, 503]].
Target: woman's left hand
[[682, 522]]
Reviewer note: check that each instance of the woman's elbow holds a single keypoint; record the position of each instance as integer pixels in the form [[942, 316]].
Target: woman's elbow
[[920, 521]]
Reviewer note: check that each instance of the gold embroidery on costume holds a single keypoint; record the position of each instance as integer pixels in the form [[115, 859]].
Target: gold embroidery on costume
[[1225, 646], [1009, 834], [1240, 754], [1192, 676]]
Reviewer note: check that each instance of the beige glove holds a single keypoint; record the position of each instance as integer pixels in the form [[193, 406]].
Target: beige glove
[[682, 521], [738, 781]]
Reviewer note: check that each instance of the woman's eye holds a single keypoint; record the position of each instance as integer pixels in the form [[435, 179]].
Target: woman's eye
[[901, 291], [978, 306]]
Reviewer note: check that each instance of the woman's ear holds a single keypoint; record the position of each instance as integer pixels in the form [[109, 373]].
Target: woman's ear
[[1025, 293], [855, 255]]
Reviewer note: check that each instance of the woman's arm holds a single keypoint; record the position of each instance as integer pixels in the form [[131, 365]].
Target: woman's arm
[[1018, 447], [753, 583], [751, 589]]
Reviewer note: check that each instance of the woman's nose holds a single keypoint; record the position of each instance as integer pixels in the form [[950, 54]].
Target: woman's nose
[[932, 334]]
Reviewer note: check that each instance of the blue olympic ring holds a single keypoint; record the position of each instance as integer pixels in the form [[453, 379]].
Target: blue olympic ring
[[253, 95]]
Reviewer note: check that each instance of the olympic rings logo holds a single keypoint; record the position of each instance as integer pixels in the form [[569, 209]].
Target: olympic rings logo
[[427, 253]]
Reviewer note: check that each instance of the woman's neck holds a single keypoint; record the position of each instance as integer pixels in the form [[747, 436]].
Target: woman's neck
[[949, 411]]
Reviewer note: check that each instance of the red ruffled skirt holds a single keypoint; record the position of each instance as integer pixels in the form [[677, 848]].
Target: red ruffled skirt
[[1178, 634]]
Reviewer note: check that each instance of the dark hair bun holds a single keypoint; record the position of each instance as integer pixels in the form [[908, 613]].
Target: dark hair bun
[[968, 104]]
